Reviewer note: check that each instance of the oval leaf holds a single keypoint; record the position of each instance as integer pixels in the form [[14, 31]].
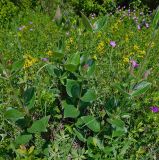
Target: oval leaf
[[89, 96], [73, 88], [23, 139], [39, 125], [91, 123], [70, 111], [86, 22], [14, 114], [140, 89]]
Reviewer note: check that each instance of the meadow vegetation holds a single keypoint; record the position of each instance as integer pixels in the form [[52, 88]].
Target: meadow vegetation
[[78, 86]]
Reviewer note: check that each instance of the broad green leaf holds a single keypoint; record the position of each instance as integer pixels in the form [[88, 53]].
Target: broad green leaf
[[91, 123], [118, 133], [73, 88], [23, 139], [116, 123], [120, 89], [28, 95], [79, 135], [14, 114], [74, 59], [100, 23], [17, 65], [70, 111], [57, 54], [140, 89], [39, 126], [91, 69], [50, 68], [71, 67], [73, 62], [31, 103], [79, 122], [89, 96], [86, 22], [155, 22]]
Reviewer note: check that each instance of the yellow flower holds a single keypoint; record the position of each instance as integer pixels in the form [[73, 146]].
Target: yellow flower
[[142, 52], [125, 59], [99, 35], [126, 38], [49, 53], [71, 40], [29, 61], [152, 44], [94, 57], [100, 47], [136, 48]]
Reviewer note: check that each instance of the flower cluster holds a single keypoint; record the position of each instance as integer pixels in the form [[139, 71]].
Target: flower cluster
[[29, 61], [100, 47]]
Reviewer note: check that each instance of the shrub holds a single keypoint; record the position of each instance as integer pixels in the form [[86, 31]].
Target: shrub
[[7, 10]]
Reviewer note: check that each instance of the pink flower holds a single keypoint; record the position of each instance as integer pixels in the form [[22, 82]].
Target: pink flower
[[154, 109], [134, 63], [112, 43]]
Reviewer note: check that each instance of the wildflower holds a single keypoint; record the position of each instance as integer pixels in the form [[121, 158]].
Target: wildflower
[[49, 53], [126, 59], [138, 27], [134, 63], [100, 47], [21, 28], [44, 59], [154, 109], [31, 29], [71, 40], [86, 66], [94, 57], [29, 61], [146, 25], [136, 48], [30, 22], [112, 43]]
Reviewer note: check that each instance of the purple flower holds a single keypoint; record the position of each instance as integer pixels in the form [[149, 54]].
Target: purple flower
[[134, 63], [138, 27], [154, 109], [147, 25], [21, 28], [44, 59], [112, 43]]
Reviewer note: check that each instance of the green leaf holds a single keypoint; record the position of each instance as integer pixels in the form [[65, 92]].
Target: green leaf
[[91, 123], [70, 111], [13, 114], [28, 95], [155, 22], [86, 22], [58, 54], [58, 16], [89, 96], [100, 23], [140, 89], [17, 65], [118, 133], [79, 135], [73, 88], [39, 126], [116, 123], [91, 69], [73, 62], [23, 139]]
